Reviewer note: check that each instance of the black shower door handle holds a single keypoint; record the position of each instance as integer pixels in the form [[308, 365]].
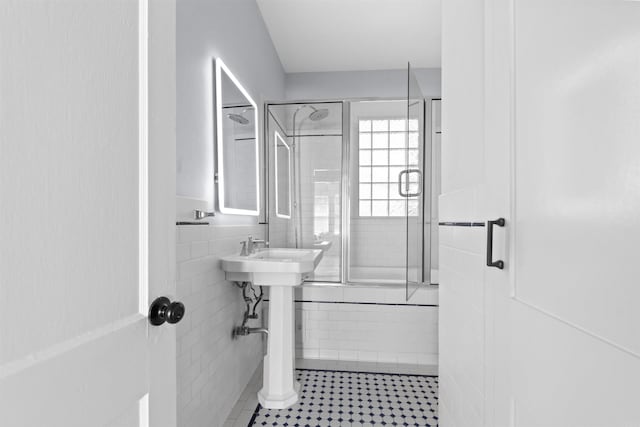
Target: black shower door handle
[[500, 222]]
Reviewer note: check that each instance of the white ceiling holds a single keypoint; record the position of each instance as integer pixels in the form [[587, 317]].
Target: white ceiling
[[349, 35]]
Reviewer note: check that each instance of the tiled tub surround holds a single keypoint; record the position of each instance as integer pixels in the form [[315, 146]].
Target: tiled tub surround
[[212, 367], [367, 324]]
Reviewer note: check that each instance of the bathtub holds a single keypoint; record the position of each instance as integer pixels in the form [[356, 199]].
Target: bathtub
[[368, 322]]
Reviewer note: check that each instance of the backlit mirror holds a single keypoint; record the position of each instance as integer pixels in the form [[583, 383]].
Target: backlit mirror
[[237, 145], [283, 177]]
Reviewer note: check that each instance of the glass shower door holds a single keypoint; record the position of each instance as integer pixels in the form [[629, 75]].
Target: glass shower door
[[414, 185]]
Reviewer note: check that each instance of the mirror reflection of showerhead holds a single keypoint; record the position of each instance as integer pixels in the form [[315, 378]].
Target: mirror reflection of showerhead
[[238, 118], [317, 115]]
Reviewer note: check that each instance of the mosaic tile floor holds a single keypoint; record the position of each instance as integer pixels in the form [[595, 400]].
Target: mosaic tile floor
[[358, 399]]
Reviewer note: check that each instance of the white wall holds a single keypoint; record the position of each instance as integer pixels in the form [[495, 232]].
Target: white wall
[[206, 29], [359, 84], [212, 368]]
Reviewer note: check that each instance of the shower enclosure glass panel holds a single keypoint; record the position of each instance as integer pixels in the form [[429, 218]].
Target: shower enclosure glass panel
[[415, 187], [314, 133], [377, 223], [358, 187]]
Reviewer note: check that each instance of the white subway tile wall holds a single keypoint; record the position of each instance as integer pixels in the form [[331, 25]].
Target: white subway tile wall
[[378, 242], [338, 326], [212, 367], [462, 296]]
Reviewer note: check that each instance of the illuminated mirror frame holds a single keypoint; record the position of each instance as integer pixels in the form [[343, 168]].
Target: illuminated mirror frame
[[277, 139], [220, 68]]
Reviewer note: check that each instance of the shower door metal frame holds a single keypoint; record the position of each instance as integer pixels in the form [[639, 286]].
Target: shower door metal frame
[[430, 132], [345, 196]]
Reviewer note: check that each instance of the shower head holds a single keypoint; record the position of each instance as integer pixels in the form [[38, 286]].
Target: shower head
[[317, 115], [238, 118]]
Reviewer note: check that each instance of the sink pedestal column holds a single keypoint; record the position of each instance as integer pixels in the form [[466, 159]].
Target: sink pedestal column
[[280, 389]]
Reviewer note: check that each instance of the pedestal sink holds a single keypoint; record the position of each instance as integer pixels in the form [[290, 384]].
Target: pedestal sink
[[281, 270]]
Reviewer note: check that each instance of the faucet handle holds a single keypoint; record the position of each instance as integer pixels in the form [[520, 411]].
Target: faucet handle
[[243, 251], [198, 214]]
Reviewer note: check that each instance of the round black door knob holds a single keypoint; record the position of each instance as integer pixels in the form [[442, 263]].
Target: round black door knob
[[175, 312], [163, 310]]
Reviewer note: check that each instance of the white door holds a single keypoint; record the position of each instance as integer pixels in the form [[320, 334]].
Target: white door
[[574, 335], [559, 159], [86, 217]]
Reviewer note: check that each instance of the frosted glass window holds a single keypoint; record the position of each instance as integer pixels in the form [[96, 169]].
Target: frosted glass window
[[413, 139], [413, 208], [397, 207], [413, 157], [365, 157], [365, 174], [380, 208], [398, 157], [386, 148], [380, 191], [365, 191], [365, 140], [380, 125], [380, 174], [397, 140], [365, 208], [413, 187], [397, 125], [380, 158], [380, 140], [394, 173], [394, 194]]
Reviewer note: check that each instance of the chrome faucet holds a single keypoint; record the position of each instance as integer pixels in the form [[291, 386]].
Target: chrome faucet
[[251, 244], [198, 214]]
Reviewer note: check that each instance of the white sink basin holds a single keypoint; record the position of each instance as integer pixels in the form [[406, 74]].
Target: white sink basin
[[272, 267], [281, 269]]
